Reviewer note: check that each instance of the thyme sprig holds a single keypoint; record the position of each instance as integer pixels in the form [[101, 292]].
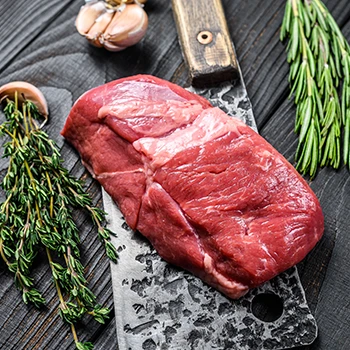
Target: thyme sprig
[[319, 58], [37, 213]]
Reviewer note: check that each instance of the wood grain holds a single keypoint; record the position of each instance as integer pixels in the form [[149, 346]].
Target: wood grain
[[21, 24], [205, 41], [40, 44]]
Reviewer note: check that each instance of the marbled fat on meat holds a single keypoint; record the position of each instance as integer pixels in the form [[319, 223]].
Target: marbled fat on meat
[[211, 195]]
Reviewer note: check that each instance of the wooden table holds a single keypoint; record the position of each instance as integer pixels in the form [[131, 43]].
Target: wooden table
[[39, 44]]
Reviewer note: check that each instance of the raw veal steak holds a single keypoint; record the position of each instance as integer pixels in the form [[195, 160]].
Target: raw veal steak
[[210, 194]]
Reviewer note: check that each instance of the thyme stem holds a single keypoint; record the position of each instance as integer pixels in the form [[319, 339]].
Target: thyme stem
[[37, 212], [2, 252], [57, 286]]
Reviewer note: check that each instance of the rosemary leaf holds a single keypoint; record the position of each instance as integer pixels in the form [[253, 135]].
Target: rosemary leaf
[[319, 58]]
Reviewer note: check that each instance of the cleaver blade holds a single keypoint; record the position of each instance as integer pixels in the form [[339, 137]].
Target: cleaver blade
[[159, 306]]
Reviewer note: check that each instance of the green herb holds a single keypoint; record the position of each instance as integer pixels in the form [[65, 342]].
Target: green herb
[[40, 194], [319, 58]]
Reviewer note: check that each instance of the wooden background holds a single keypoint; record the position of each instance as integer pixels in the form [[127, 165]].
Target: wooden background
[[40, 44]]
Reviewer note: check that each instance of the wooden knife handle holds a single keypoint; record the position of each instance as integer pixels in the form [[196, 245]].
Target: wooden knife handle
[[205, 41]]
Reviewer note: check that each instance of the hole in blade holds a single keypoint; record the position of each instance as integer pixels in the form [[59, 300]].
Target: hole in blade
[[267, 307]]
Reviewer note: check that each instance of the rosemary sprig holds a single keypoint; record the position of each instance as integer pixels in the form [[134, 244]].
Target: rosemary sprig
[[319, 58], [40, 194]]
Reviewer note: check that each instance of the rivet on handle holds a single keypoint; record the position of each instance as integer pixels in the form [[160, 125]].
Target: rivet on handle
[[205, 37]]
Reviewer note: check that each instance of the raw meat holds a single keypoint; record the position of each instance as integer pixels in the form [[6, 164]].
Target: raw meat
[[210, 194]]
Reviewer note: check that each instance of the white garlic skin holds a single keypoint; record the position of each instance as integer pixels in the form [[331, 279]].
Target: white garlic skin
[[129, 27], [88, 15], [25, 91], [115, 30], [95, 34]]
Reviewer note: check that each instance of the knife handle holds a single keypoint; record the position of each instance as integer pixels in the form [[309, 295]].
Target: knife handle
[[205, 41]]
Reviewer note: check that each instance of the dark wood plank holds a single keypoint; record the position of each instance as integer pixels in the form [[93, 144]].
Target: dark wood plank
[[332, 311], [324, 272], [40, 45], [21, 23], [254, 27]]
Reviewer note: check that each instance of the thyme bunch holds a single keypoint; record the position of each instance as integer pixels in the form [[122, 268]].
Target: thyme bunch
[[319, 58], [36, 214]]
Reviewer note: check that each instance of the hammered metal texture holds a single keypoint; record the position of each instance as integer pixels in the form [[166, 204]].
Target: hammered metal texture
[[159, 306], [232, 98]]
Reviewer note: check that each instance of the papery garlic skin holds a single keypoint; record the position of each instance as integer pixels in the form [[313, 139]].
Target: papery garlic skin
[[25, 91], [88, 15], [95, 34], [113, 29], [128, 28]]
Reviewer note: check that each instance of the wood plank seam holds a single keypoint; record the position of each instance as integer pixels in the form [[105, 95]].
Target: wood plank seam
[[8, 62]]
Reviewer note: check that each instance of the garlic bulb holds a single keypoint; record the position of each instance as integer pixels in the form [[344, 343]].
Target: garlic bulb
[[114, 28], [25, 91]]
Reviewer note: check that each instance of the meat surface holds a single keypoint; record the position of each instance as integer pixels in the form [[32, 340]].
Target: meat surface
[[211, 195]]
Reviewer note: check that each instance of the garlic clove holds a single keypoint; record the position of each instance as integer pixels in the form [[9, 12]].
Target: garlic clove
[[87, 16], [127, 28], [25, 91], [95, 34], [112, 47]]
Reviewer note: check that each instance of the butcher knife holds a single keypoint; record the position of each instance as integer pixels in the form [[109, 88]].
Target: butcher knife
[[159, 306]]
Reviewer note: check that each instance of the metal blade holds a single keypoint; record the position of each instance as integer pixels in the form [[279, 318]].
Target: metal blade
[[232, 98], [158, 306]]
